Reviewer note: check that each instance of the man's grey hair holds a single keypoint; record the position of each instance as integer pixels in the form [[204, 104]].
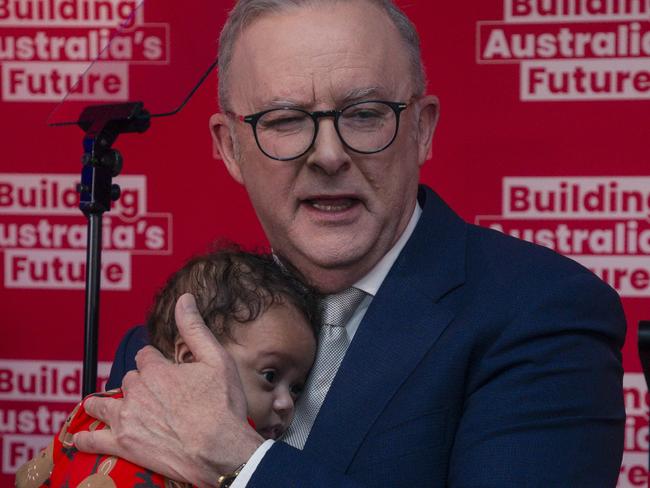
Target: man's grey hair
[[246, 11]]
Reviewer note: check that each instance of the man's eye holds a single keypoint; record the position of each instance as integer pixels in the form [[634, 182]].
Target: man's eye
[[269, 376], [364, 114], [362, 119], [283, 121]]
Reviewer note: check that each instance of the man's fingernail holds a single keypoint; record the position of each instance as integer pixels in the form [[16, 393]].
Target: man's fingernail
[[188, 304]]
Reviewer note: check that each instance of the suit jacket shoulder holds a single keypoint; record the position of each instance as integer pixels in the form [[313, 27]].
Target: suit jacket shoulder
[[134, 340]]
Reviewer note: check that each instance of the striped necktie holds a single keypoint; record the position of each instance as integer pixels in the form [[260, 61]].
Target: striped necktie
[[332, 344]]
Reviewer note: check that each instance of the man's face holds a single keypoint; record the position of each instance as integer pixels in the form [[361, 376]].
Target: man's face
[[332, 213], [273, 354]]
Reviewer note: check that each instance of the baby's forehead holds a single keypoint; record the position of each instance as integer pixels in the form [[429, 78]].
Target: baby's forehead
[[278, 317], [281, 328], [281, 312]]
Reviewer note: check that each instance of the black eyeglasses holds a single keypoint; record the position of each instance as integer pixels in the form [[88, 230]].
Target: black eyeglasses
[[288, 133]]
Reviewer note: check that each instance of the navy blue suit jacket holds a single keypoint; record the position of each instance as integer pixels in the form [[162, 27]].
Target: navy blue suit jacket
[[483, 361]]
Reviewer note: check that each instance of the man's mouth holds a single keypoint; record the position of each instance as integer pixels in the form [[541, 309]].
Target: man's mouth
[[332, 204]]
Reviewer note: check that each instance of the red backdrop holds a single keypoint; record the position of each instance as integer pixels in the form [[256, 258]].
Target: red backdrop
[[543, 134]]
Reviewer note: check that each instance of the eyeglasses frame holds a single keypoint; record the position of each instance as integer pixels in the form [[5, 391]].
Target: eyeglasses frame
[[252, 119]]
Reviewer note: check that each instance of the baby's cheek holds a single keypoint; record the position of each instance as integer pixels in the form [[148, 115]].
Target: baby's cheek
[[257, 410]]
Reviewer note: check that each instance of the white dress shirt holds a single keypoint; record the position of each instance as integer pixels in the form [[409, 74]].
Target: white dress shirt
[[370, 284]]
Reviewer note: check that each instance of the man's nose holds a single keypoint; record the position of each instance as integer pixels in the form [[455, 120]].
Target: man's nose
[[329, 153]]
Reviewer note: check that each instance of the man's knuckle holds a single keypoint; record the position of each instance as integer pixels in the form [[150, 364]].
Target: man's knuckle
[[143, 356], [130, 379], [122, 438], [127, 378], [85, 440], [123, 417], [193, 324], [101, 408]]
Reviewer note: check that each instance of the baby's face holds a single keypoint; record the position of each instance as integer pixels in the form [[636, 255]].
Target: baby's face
[[273, 354]]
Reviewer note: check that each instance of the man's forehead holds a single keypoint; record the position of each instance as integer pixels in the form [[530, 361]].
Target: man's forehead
[[281, 60], [320, 33]]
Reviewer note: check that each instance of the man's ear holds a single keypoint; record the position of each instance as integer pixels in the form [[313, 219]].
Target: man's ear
[[182, 353], [223, 145], [428, 119]]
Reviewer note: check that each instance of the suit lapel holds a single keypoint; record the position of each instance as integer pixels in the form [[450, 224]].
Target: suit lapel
[[402, 323]]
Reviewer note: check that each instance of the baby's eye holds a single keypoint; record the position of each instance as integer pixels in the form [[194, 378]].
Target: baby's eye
[[269, 375]]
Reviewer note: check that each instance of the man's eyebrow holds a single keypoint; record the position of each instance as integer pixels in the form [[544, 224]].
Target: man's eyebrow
[[284, 102], [364, 93], [352, 95]]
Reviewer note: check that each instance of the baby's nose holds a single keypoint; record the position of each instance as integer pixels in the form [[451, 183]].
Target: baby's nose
[[283, 402]]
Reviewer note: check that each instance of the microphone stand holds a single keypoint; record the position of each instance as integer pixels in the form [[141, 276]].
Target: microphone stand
[[100, 164], [102, 125]]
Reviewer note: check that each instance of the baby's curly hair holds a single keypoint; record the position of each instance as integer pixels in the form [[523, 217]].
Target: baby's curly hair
[[231, 287]]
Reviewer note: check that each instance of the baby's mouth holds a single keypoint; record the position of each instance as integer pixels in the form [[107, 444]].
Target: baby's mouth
[[274, 432]]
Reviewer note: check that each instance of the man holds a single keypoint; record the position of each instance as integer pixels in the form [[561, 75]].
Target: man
[[474, 359]]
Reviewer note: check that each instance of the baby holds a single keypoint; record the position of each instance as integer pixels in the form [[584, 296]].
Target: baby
[[264, 319]]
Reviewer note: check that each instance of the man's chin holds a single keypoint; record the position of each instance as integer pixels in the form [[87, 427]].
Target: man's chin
[[336, 256], [330, 269]]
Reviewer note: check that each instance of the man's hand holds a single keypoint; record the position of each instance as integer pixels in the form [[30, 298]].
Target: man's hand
[[185, 421]]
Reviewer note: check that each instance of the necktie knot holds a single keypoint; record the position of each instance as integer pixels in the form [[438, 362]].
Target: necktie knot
[[337, 309]]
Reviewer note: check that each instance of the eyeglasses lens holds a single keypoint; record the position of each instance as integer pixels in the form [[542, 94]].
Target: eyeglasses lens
[[368, 127], [285, 133]]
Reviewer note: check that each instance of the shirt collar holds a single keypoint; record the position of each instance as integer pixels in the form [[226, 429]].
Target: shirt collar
[[371, 282]]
